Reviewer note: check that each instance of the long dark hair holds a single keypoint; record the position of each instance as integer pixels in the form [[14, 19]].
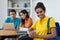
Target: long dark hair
[[24, 12]]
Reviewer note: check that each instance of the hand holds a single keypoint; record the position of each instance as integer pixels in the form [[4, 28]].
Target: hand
[[17, 28], [33, 34], [20, 28], [29, 30]]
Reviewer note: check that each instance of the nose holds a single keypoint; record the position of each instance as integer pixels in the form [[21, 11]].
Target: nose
[[38, 14], [11, 15]]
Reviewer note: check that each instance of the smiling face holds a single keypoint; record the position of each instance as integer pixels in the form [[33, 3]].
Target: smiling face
[[40, 13]]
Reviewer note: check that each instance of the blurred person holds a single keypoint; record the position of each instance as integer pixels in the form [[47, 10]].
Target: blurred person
[[26, 22], [13, 19]]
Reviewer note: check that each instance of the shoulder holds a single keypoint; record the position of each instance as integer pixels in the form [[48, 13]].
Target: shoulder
[[51, 18], [17, 18], [38, 20], [30, 18], [8, 18]]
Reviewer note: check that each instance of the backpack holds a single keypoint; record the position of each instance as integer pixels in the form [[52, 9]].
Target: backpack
[[57, 26], [57, 31]]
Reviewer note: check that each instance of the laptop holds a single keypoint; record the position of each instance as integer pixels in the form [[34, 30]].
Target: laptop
[[8, 26]]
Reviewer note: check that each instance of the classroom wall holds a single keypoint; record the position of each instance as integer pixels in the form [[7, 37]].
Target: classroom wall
[[3, 12]]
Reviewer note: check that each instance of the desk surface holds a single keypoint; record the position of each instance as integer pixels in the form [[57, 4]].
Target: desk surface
[[8, 33]]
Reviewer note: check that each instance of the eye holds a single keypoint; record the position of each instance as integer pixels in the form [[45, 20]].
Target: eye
[[37, 12], [19, 14], [40, 11]]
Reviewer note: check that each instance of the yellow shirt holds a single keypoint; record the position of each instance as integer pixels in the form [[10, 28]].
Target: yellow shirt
[[41, 26]]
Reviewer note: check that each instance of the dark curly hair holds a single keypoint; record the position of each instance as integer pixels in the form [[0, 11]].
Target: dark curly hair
[[40, 5]]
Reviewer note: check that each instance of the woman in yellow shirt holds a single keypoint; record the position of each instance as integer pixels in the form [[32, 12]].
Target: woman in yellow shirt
[[40, 26]]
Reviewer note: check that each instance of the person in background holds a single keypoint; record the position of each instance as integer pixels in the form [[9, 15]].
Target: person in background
[[39, 29], [26, 22], [13, 19]]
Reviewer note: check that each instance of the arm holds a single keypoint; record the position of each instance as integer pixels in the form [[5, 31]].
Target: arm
[[52, 35], [33, 27], [33, 34], [29, 23], [52, 29], [7, 20], [18, 24], [30, 29]]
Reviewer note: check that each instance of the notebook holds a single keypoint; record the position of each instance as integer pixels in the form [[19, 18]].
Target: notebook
[[22, 31]]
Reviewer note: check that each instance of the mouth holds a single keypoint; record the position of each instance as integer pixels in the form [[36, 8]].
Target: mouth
[[39, 15]]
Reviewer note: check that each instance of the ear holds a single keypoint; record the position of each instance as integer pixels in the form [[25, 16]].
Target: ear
[[15, 14]]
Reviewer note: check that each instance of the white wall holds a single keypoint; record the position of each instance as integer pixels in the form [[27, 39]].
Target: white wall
[[3, 12], [52, 9]]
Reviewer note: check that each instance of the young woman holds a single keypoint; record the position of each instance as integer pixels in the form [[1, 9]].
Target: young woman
[[40, 26], [26, 20]]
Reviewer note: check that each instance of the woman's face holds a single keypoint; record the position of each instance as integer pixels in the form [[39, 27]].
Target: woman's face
[[40, 12], [13, 15], [23, 16]]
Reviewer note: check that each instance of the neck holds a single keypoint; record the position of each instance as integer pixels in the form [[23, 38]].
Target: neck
[[13, 18], [26, 18], [43, 17]]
